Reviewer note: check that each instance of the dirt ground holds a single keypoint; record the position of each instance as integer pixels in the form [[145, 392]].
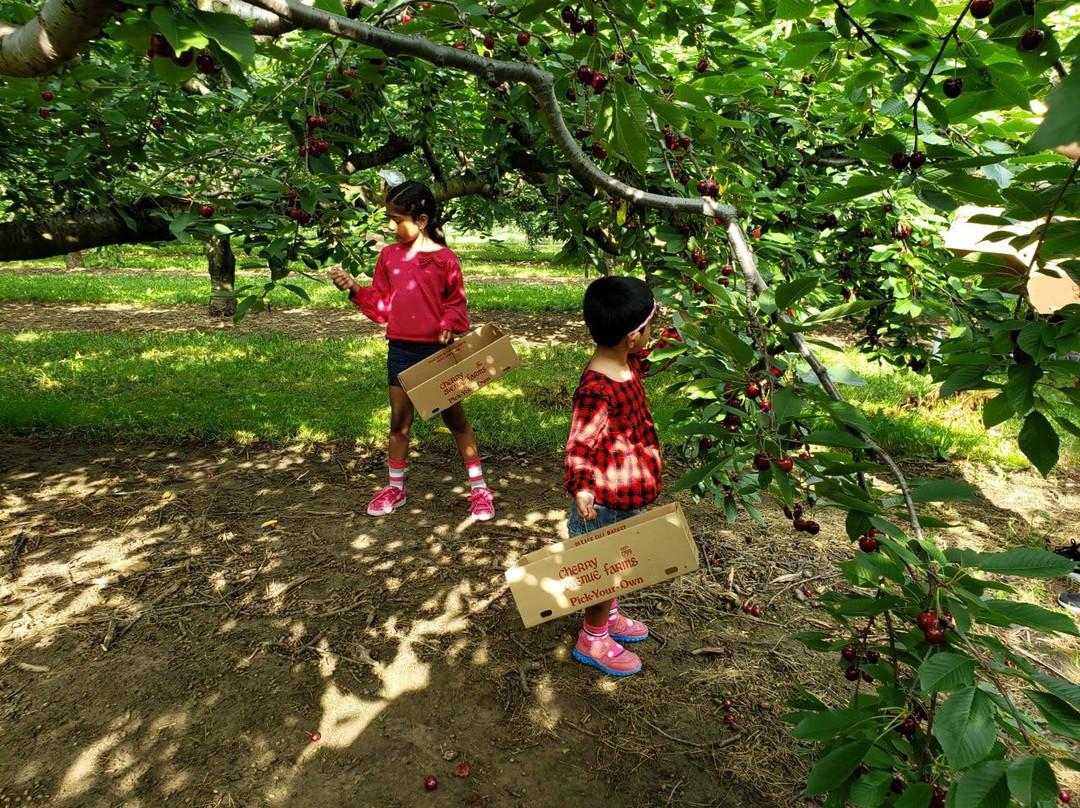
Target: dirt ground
[[214, 626], [529, 329]]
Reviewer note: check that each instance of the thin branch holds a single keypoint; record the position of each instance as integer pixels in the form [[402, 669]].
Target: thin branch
[[866, 35], [1050, 214], [933, 66], [432, 161]]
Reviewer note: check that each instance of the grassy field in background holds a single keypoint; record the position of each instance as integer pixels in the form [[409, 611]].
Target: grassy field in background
[[243, 389], [250, 388], [181, 290]]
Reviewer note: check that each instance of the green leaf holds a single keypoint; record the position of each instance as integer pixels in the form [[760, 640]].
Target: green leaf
[[332, 7], [836, 767], [964, 726], [794, 9], [965, 378], [847, 414], [946, 671], [299, 291], [1031, 779], [823, 726], [1027, 562], [1062, 122], [832, 438], [1021, 385], [843, 310], [869, 790], [916, 795], [788, 293], [983, 787], [1039, 442], [230, 33], [630, 138], [997, 410], [1060, 688], [696, 475], [1060, 716], [940, 490], [857, 186], [1015, 613]]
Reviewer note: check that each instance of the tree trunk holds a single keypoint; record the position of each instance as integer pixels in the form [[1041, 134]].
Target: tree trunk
[[221, 263], [74, 261]]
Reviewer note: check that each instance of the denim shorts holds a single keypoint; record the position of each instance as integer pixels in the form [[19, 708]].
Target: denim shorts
[[575, 525], [402, 355]]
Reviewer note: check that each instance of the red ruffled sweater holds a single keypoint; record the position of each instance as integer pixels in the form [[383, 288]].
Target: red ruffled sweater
[[418, 295]]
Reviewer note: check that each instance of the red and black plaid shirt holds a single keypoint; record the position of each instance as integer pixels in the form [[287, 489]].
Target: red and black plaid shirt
[[613, 450]]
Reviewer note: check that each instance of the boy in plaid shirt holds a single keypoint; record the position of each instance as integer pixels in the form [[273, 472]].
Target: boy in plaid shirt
[[613, 462]]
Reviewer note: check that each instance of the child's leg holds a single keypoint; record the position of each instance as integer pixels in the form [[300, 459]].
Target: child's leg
[[596, 646], [401, 418], [480, 502]]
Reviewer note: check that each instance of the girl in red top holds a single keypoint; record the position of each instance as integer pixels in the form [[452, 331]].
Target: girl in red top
[[418, 292], [613, 465]]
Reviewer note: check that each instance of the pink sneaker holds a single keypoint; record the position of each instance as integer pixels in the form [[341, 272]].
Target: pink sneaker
[[480, 504], [607, 655], [624, 629], [386, 501]]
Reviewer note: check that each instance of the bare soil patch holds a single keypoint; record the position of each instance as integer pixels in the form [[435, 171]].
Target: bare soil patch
[[529, 329], [177, 621]]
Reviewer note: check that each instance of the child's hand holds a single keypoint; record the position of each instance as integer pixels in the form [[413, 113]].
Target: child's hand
[[343, 280], [586, 505], [446, 337]]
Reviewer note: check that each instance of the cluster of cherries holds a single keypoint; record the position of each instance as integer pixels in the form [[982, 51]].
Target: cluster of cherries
[[573, 19], [851, 655], [315, 145], [795, 514], [159, 46]]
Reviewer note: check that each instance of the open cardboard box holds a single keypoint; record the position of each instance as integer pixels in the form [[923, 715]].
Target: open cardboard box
[[461, 368], [610, 562], [1048, 287]]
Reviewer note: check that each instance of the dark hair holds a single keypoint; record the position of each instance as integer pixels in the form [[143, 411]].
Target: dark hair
[[614, 305], [416, 199]]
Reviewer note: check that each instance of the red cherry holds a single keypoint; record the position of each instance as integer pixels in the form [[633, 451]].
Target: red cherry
[[727, 270], [776, 372], [458, 46], [1065, 795], [813, 528], [489, 42], [935, 635], [584, 74], [316, 737], [868, 544], [752, 390], [785, 463], [702, 66], [980, 9], [47, 96], [158, 124], [347, 92], [761, 461], [407, 18], [729, 718], [204, 63], [900, 160], [599, 82], [727, 704], [524, 38], [851, 674], [44, 113], [1032, 39], [206, 211], [430, 783], [907, 727], [766, 406], [872, 657], [849, 653], [866, 677], [756, 232], [755, 611], [917, 160], [926, 620]]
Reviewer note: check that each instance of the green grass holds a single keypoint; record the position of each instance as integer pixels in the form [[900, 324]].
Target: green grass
[[176, 290], [243, 389], [909, 419], [502, 255]]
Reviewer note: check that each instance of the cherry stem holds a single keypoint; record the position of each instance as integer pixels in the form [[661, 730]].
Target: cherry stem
[[866, 35], [1050, 214], [933, 66]]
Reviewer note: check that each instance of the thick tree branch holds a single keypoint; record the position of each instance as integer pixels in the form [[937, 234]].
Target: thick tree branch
[[56, 34], [47, 236], [397, 146]]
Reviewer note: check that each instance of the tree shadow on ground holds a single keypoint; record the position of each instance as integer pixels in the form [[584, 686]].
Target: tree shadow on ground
[[179, 622]]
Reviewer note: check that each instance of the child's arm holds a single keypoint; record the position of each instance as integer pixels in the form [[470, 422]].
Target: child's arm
[[590, 421], [455, 318], [373, 300]]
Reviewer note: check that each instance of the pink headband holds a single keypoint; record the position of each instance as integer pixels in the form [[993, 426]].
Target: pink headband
[[640, 328]]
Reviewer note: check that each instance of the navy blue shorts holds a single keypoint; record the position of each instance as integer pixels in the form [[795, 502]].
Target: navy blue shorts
[[402, 355]]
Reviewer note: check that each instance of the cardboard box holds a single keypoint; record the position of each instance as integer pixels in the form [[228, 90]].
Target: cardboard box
[[461, 368], [1047, 287], [610, 562]]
